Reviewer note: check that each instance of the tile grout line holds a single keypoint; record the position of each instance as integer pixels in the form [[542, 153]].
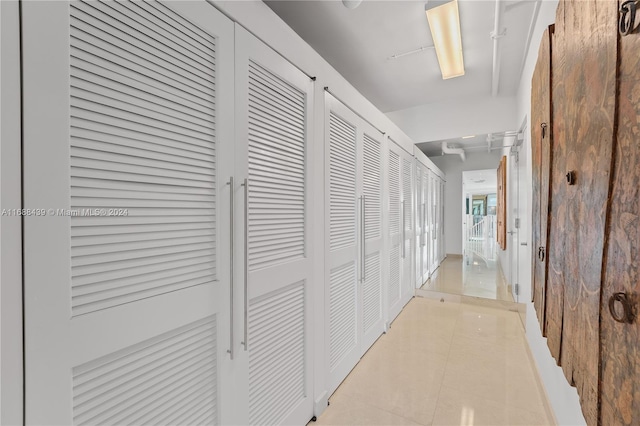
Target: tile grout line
[[366, 402], [435, 410]]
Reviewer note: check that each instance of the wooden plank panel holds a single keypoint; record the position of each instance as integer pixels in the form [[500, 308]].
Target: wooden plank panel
[[557, 209], [620, 354], [541, 140], [584, 111]]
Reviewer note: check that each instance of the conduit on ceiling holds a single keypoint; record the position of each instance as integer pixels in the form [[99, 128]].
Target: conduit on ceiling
[[459, 151], [496, 35]]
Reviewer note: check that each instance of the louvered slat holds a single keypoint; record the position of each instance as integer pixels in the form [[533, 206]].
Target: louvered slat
[[394, 192], [276, 354], [276, 161], [372, 188], [143, 134], [159, 381], [394, 274], [342, 182], [372, 294], [342, 315]]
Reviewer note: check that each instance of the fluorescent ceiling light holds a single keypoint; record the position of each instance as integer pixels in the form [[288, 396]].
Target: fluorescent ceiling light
[[444, 23], [351, 4], [469, 137]]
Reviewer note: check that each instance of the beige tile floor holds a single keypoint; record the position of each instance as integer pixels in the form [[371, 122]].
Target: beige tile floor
[[443, 363], [469, 276]]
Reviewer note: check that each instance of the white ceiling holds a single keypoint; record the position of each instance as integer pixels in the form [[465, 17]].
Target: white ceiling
[[359, 42], [477, 143], [480, 182]]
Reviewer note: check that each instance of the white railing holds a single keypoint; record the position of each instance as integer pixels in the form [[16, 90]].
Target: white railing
[[481, 236]]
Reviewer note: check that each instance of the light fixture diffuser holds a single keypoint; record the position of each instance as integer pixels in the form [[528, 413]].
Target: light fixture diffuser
[[444, 23]]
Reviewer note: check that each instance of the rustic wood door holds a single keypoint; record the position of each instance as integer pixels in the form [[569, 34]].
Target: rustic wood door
[[620, 360], [584, 93], [541, 140]]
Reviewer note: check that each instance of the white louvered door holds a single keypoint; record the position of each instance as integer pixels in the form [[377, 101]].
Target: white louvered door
[[127, 148], [441, 233], [273, 113], [395, 208], [407, 284], [371, 236], [433, 259], [426, 232], [354, 245], [419, 205], [342, 261]]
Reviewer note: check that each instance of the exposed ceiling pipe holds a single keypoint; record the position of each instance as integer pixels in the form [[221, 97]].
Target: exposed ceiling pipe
[[532, 26], [496, 34], [459, 151], [509, 140]]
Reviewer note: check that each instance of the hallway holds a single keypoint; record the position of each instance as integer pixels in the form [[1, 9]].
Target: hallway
[[472, 276], [443, 364]]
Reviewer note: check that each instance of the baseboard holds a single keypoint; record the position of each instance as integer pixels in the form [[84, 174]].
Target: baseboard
[[541, 389]]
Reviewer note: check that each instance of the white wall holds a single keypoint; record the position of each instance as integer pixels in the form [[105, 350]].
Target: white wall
[[455, 118], [452, 166], [563, 398]]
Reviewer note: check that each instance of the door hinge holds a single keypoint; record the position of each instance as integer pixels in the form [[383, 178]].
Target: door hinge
[[517, 223], [517, 289]]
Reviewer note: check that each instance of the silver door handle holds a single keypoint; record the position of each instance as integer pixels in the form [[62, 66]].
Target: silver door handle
[[231, 224], [424, 225], [246, 263], [363, 229], [523, 244], [403, 247]]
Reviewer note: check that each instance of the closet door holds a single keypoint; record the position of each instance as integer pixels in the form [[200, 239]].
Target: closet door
[[426, 231], [441, 230], [395, 206], [419, 206], [273, 111], [355, 238], [619, 341], [583, 141], [408, 226], [127, 151], [372, 243], [436, 221], [432, 223], [541, 141], [342, 259]]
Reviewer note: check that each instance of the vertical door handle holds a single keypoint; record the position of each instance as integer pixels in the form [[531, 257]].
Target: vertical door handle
[[231, 232], [246, 263], [423, 240], [363, 229], [403, 247]]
